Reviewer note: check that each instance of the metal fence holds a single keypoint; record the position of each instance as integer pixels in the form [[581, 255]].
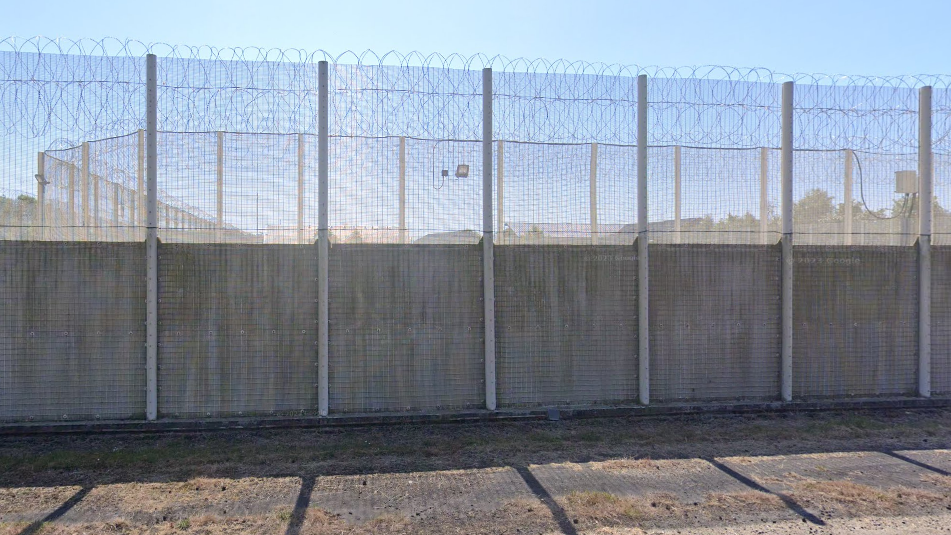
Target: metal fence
[[194, 232]]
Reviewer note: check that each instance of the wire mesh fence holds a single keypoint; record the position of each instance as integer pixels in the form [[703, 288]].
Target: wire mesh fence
[[410, 290]]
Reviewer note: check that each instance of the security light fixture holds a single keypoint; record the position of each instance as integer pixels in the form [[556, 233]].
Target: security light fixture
[[462, 171], [906, 182]]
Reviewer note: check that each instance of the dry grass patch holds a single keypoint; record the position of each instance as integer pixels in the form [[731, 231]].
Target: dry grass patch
[[667, 466], [749, 502], [854, 499], [34, 499], [604, 508]]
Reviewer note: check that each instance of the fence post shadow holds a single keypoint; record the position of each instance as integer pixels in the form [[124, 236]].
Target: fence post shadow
[[789, 502], [301, 505], [37, 525], [540, 492]]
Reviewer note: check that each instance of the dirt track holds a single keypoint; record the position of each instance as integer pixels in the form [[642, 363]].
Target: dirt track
[[809, 473]]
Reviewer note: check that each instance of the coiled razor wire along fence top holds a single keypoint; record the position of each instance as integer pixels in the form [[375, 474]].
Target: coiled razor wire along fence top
[[238, 127], [408, 327]]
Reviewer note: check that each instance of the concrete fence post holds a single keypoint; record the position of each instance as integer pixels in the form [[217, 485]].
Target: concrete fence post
[[593, 192], [41, 183], [925, 199], [323, 238], [115, 211], [402, 156], [678, 237], [84, 191], [300, 188], [220, 181], [643, 262], [764, 195], [786, 355], [847, 194], [500, 194], [71, 200], [488, 242], [151, 238]]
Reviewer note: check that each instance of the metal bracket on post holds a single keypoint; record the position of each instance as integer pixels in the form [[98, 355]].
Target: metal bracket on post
[[643, 262], [488, 246], [786, 356], [925, 200], [151, 239], [323, 238]]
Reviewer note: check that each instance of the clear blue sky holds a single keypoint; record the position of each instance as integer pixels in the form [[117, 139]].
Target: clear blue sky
[[873, 37]]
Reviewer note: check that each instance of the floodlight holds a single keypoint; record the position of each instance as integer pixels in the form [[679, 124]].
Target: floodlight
[[906, 182], [462, 171]]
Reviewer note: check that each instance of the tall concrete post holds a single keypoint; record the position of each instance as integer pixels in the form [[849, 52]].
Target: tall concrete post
[[925, 198], [488, 239], [643, 262], [151, 238], [787, 239], [323, 238]]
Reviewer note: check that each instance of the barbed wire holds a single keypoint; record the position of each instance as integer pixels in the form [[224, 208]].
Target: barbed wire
[[75, 90]]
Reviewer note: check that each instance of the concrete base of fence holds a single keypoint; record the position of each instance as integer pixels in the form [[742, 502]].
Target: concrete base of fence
[[442, 417]]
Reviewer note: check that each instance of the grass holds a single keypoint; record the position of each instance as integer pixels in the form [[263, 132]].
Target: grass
[[163, 470]]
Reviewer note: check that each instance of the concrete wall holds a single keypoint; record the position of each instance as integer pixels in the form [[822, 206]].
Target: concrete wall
[[72, 331], [566, 324], [715, 321], [855, 321], [941, 320], [406, 327], [237, 329]]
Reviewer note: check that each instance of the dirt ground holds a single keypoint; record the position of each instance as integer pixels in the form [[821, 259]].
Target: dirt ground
[[832, 472]]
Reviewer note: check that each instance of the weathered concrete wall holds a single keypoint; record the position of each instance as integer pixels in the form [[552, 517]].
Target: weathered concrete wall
[[237, 329], [715, 322], [941, 320], [72, 331], [566, 324], [855, 321], [406, 327]]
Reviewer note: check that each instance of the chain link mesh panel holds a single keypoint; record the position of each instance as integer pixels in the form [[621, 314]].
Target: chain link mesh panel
[[715, 322], [855, 315], [72, 332], [238, 329], [941, 320], [407, 329], [566, 324]]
